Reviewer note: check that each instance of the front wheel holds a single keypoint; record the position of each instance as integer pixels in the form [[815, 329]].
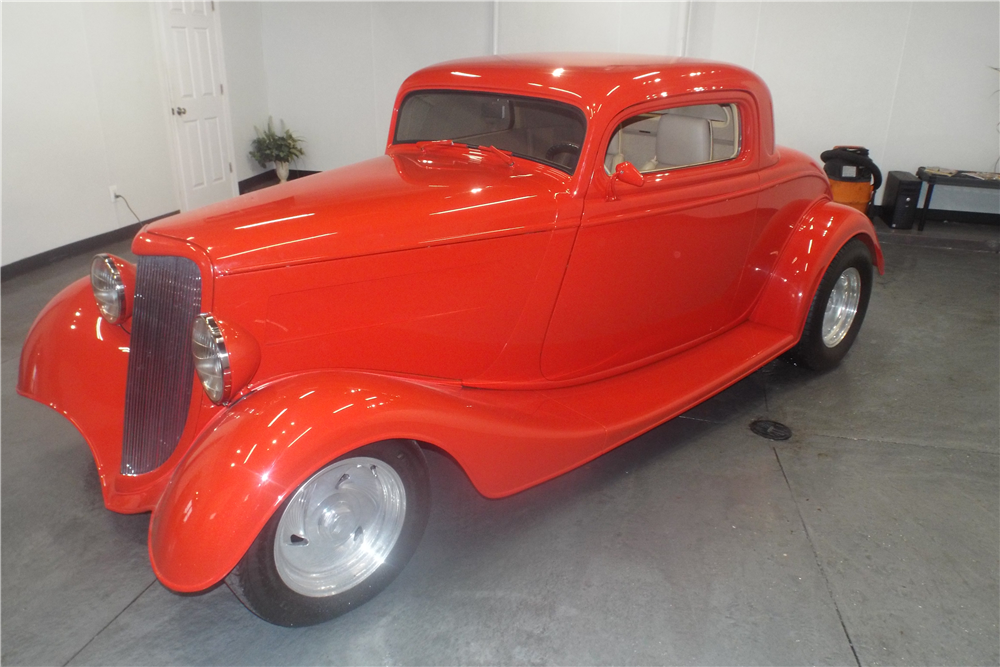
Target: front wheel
[[339, 539], [837, 310]]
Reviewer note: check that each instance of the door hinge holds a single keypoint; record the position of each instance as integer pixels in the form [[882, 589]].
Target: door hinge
[[221, 91], [213, 5], [230, 167]]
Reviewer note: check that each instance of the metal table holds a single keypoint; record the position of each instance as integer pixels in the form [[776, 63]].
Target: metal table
[[965, 179]]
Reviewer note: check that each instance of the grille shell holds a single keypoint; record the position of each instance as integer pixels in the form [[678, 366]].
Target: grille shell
[[160, 367]]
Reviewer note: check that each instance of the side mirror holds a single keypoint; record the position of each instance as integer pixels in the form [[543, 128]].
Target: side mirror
[[626, 173]]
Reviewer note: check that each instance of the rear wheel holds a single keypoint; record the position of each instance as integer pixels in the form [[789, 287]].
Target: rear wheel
[[339, 539], [837, 310]]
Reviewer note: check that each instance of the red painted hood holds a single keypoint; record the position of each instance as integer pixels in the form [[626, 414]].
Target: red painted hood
[[410, 198]]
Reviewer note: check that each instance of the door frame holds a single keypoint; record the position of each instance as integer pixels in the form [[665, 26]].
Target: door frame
[[173, 136]]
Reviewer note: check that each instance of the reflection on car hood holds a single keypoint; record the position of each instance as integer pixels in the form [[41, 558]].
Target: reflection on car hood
[[408, 199]]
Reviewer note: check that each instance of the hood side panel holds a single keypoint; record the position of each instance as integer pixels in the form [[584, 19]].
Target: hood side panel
[[410, 199], [443, 312]]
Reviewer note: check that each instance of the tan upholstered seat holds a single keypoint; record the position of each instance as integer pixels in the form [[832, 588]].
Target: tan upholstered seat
[[681, 141], [614, 156]]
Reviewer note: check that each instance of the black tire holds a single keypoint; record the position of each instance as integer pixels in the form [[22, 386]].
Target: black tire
[[256, 580], [812, 351]]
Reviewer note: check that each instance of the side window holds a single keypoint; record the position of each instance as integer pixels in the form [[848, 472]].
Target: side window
[[678, 137]]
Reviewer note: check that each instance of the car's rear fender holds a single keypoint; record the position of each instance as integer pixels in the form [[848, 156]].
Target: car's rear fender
[[819, 236], [247, 461]]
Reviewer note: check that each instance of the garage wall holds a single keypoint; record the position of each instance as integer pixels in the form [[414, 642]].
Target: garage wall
[[82, 111], [881, 75], [614, 27], [243, 49], [83, 107], [947, 110], [332, 69], [911, 81]]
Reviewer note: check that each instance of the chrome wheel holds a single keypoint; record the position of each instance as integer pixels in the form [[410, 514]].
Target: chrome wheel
[[841, 307], [340, 526]]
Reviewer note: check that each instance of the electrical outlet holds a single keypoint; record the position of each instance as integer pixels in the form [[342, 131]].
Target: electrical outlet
[[114, 193]]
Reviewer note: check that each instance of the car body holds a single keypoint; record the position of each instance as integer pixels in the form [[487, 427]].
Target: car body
[[524, 296]]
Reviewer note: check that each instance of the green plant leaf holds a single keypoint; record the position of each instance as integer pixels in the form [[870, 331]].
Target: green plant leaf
[[270, 146]]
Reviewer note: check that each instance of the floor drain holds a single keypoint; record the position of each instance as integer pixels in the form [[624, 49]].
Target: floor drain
[[766, 428]]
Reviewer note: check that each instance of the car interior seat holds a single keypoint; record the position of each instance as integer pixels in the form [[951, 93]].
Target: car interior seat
[[681, 141], [614, 156]]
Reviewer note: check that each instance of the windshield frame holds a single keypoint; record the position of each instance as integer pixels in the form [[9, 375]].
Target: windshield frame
[[513, 96]]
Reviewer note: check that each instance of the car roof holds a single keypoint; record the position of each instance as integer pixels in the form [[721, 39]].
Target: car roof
[[589, 80], [600, 84]]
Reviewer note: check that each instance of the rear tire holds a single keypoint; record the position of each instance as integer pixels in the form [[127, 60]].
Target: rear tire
[[838, 309], [339, 539]]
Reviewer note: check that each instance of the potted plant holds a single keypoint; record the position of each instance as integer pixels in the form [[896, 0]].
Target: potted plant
[[277, 147]]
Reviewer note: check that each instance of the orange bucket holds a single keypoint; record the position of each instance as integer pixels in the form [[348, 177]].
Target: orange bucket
[[855, 195]]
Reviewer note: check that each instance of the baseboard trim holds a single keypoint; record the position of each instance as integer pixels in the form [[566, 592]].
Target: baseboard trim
[[27, 264], [269, 178], [969, 217], [942, 215]]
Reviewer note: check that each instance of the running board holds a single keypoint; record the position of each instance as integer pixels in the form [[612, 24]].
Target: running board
[[508, 441], [635, 402]]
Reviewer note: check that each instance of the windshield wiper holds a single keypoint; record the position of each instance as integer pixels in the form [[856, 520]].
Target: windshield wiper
[[506, 156], [424, 145]]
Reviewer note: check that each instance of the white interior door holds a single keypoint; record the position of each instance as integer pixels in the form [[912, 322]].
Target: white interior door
[[192, 52]]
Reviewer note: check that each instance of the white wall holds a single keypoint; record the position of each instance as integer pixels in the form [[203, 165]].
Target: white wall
[[82, 111], [409, 36], [320, 78], [83, 108], [947, 110], [333, 69], [612, 27], [911, 81], [882, 75], [243, 48]]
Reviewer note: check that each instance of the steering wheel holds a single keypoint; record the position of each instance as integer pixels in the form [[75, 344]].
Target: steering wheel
[[558, 149]]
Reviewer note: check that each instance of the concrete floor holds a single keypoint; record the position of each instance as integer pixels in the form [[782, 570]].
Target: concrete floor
[[871, 537]]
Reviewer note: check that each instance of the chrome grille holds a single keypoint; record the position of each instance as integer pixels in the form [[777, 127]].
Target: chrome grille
[[160, 367]]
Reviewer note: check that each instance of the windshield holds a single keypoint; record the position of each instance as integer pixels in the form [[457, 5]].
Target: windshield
[[536, 129]]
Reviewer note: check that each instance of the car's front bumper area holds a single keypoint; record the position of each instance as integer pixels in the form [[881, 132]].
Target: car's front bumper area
[[76, 363]]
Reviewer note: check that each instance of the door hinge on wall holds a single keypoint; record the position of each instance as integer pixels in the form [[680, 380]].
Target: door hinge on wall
[[230, 167], [213, 5], [221, 91]]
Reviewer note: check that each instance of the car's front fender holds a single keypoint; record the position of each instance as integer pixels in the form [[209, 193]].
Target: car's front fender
[[818, 237], [249, 459], [75, 362]]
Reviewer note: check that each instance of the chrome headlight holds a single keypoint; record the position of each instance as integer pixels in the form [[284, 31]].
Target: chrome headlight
[[109, 288], [211, 360]]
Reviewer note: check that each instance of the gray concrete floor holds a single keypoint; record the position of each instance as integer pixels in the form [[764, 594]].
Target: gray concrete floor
[[871, 537]]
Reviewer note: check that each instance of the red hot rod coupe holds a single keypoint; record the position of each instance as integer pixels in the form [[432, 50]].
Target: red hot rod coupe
[[555, 254]]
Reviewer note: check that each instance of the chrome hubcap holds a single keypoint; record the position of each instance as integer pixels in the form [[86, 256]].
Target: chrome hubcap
[[841, 307], [340, 526]]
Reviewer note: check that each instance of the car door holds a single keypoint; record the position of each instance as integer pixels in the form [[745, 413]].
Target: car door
[[655, 268]]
